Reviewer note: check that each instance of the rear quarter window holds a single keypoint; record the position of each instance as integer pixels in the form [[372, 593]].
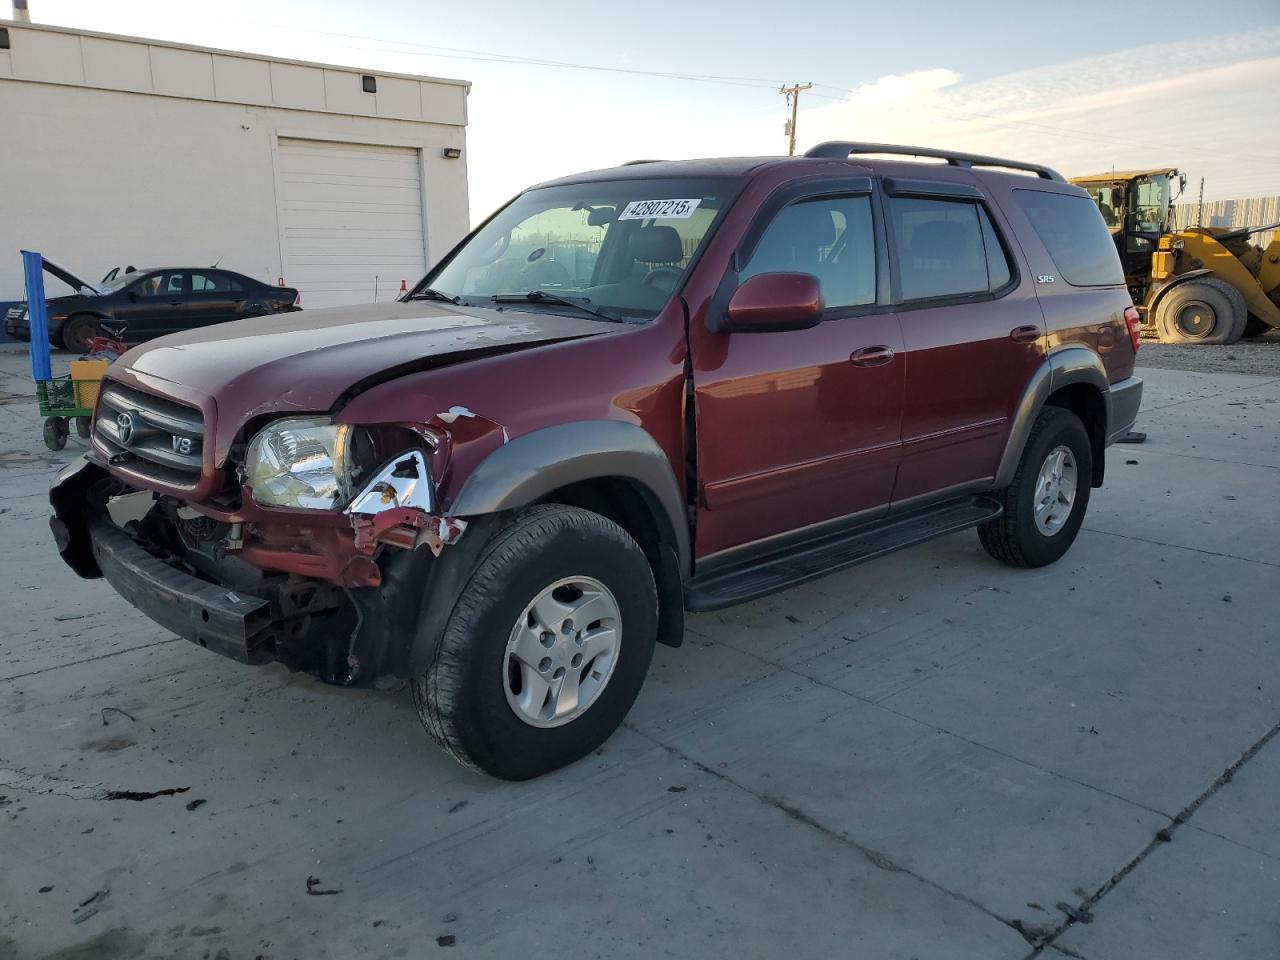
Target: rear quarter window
[[1073, 231]]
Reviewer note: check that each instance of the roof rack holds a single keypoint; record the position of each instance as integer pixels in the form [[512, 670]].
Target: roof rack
[[843, 149], [632, 163]]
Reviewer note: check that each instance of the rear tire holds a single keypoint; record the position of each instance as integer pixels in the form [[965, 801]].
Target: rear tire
[[1032, 532], [470, 699], [1207, 310], [83, 427]]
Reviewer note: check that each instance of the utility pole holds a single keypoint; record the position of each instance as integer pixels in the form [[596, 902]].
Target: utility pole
[[793, 100], [1200, 206]]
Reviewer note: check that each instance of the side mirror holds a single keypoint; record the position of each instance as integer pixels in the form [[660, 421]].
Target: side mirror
[[773, 302]]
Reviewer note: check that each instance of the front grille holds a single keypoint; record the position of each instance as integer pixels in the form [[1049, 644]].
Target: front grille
[[151, 436]]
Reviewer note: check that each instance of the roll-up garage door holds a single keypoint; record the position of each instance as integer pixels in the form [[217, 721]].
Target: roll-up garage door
[[352, 220]]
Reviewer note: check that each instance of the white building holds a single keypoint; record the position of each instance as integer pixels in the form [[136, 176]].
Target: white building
[[118, 151]]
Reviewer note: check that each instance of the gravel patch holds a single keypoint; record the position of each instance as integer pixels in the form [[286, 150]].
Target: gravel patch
[[1260, 356]]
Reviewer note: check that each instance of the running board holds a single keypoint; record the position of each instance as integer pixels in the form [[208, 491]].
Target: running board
[[816, 558]]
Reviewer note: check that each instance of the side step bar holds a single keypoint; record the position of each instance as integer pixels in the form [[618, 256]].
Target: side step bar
[[817, 558]]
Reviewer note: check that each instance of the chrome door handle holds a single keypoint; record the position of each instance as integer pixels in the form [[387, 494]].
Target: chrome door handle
[[871, 356], [1024, 334]]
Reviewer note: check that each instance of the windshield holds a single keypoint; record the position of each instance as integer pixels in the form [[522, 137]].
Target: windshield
[[1150, 205], [120, 281], [621, 247]]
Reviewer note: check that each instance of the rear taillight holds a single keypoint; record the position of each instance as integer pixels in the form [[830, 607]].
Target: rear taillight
[[1133, 320]]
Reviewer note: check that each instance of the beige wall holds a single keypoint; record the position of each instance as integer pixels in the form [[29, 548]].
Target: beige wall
[[115, 151]]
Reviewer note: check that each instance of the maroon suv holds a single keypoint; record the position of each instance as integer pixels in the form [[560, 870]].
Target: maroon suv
[[630, 393]]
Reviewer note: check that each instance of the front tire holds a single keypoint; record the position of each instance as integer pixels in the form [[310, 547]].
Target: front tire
[[55, 433], [1208, 310], [497, 695], [78, 331], [1046, 502]]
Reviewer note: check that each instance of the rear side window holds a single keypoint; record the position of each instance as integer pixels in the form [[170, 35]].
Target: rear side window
[[210, 282], [1073, 231], [946, 248], [831, 238]]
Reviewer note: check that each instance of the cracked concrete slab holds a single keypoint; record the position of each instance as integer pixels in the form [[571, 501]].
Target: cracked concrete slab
[[1196, 898]]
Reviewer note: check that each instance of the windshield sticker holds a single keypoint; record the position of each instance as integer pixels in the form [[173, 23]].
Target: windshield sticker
[[659, 209]]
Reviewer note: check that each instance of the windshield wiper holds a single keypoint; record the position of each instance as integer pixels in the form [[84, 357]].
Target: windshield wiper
[[542, 296], [428, 294]]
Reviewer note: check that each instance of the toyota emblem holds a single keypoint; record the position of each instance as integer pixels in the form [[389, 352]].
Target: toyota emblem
[[125, 426]]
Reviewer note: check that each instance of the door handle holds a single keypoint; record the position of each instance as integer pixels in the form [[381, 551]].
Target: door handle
[[1025, 334], [871, 356]]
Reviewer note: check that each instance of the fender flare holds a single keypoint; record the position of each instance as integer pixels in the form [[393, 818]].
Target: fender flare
[[529, 467], [1154, 298], [1061, 368]]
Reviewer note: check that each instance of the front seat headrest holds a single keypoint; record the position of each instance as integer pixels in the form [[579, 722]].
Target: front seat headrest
[[657, 245]]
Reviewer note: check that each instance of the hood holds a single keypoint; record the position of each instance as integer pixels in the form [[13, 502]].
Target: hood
[[70, 279], [307, 360]]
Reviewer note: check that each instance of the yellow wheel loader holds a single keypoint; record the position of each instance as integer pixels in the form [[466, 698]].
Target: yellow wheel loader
[[1197, 285]]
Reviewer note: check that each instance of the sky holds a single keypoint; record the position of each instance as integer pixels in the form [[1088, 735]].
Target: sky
[[1083, 87]]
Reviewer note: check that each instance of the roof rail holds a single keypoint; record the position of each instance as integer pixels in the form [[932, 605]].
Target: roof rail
[[843, 149], [632, 163]]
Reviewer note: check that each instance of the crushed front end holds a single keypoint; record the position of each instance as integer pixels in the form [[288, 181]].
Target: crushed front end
[[315, 543]]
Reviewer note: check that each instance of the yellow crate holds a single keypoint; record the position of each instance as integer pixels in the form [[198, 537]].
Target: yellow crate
[[87, 377]]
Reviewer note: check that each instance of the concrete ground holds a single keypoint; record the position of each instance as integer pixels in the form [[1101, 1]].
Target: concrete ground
[[931, 756]]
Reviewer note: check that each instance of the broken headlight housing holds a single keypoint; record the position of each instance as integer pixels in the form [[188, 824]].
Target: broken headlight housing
[[306, 463]]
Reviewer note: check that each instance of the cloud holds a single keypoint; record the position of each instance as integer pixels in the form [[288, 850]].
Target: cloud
[[1204, 106]]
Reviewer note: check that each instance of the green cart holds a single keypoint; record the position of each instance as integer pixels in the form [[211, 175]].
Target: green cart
[[64, 399]]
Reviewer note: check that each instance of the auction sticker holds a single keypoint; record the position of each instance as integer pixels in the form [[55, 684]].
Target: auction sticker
[[663, 209]]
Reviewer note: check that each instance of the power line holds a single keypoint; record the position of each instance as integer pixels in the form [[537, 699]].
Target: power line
[[489, 56], [758, 83]]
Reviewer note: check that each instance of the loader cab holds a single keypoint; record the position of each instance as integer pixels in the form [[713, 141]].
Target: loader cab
[[1138, 208]]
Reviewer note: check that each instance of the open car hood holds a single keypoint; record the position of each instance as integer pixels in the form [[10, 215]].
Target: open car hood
[[308, 360], [69, 278]]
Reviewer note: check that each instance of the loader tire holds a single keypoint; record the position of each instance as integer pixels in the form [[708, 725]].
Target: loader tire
[[1208, 311]]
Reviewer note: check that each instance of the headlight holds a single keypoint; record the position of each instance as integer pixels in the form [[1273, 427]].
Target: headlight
[[303, 463]]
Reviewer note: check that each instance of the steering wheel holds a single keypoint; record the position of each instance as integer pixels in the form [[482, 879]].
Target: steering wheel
[[655, 276]]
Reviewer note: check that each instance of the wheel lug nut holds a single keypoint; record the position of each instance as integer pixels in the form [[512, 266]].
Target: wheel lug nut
[[544, 664], [558, 674], [567, 627], [547, 639], [576, 661]]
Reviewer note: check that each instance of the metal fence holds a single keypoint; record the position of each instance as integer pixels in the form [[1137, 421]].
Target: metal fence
[[1251, 212]]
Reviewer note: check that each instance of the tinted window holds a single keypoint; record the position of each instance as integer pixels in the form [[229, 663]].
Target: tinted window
[[161, 285], [946, 248], [1073, 231], [210, 282], [831, 238]]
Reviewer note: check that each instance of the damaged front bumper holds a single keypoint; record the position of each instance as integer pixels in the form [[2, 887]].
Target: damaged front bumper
[[229, 622], [374, 612]]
